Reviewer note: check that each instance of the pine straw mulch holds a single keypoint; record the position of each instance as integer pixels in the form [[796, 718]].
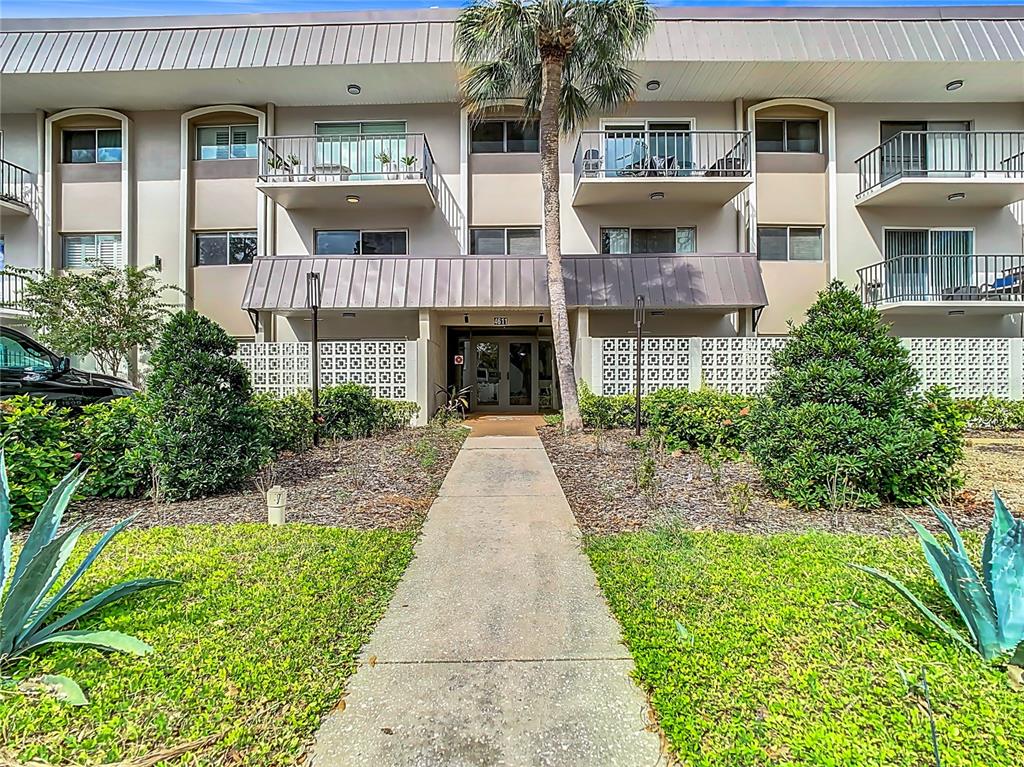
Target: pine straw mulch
[[385, 481], [599, 480]]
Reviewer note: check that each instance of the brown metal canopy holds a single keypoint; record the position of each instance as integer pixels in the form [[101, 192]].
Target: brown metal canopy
[[724, 281]]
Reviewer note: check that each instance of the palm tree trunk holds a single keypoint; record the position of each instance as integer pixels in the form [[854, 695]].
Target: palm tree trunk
[[551, 80]]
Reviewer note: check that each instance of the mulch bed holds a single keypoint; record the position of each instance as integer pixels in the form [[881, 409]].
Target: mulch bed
[[599, 480], [386, 481]]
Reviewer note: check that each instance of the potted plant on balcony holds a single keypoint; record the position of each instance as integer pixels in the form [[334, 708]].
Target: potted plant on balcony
[[298, 169], [279, 167], [409, 165], [385, 163]]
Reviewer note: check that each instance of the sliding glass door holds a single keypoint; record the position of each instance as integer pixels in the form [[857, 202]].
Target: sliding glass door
[[360, 151], [928, 264]]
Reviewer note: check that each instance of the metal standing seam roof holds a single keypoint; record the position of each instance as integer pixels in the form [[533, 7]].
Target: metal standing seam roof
[[695, 281], [270, 40]]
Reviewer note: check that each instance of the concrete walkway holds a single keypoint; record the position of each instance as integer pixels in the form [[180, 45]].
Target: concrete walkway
[[497, 649]]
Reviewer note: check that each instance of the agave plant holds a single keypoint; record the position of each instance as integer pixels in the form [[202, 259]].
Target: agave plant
[[30, 597], [991, 605]]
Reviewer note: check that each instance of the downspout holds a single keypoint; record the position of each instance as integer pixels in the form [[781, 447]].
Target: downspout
[[41, 210]]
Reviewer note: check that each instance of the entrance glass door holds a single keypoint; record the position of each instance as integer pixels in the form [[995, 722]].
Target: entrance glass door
[[506, 374]]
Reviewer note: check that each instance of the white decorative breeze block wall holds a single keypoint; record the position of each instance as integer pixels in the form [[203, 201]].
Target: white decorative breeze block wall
[[284, 367], [970, 367], [666, 364], [738, 365]]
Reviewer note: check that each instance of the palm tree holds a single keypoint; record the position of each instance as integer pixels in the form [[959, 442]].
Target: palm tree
[[565, 59]]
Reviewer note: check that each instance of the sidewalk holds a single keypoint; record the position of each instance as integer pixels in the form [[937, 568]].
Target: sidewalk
[[497, 648]]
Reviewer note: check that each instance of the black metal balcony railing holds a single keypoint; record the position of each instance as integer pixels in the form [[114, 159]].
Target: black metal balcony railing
[[12, 290], [942, 154], [662, 154], [391, 157], [943, 278], [16, 184]]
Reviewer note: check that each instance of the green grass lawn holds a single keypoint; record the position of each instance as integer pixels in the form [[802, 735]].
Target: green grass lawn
[[256, 643], [794, 658]]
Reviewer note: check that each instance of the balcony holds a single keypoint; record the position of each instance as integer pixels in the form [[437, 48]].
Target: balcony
[[17, 188], [623, 167], [12, 292], [373, 172], [933, 168], [986, 284]]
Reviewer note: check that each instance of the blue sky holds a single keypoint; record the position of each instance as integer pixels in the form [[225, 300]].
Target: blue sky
[[48, 8]]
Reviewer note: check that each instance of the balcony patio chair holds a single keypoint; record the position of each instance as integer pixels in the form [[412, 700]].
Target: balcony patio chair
[[592, 163], [638, 163], [727, 167]]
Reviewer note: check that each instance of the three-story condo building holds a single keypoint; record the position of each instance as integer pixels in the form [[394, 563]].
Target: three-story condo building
[[766, 152]]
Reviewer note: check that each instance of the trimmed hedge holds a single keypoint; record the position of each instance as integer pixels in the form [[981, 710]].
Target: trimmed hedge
[[990, 412], [103, 433]]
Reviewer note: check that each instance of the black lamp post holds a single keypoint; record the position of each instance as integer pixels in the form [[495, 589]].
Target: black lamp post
[[313, 302], [638, 320]]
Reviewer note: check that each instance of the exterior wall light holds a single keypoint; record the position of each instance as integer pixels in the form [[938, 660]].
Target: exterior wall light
[[354, 89], [954, 85], [352, 199], [657, 195], [653, 85], [955, 196]]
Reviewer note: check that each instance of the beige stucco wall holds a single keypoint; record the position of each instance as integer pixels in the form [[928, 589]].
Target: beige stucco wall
[[609, 323], [505, 190], [20, 232], [217, 292], [156, 166], [224, 203], [792, 287], [402, 323], [792, 198], [90, 206]]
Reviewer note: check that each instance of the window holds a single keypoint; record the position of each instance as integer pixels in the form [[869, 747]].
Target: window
[[501, 241], [93, 145], [505, 136], [789, 243], [788, 135], [623, 241], [23, 355], [353, 242], [226, 142], [360, 147], [88, 251], [225, 248]]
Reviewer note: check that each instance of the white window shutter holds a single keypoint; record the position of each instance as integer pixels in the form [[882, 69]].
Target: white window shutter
[[77, 250], [109, 251]]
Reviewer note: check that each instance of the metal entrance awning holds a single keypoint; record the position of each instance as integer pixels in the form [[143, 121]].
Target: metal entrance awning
[[726, 281]]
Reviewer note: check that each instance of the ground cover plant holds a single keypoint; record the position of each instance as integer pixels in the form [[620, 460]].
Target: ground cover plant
[[788, 656], [250, 654]]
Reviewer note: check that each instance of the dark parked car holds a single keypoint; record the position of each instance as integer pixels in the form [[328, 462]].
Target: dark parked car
[[27, 367]]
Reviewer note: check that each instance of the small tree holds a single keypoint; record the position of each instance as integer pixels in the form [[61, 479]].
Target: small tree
[[104, 312], [842, 423], [203, 433]]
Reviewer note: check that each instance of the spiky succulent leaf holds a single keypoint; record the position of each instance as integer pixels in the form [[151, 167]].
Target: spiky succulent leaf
[[950, 528], [65, 688], [917, 603], [51, 605], [1002, 521], [104, 640], [1008, 586], [104, 598], [5, 524], [47, 521], [30, 588], [962, 585]]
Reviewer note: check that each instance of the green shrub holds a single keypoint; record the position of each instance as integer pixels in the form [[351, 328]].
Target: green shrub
[[34, 435], [104, 434], [394, 414], [203, 432], [347, 411], [840, 423], [287, 420], [705, 418], [990, 412], [606, 412]]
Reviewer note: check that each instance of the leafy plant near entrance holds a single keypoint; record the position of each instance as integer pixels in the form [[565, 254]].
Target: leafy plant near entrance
[[566, 58], [841, 422]]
